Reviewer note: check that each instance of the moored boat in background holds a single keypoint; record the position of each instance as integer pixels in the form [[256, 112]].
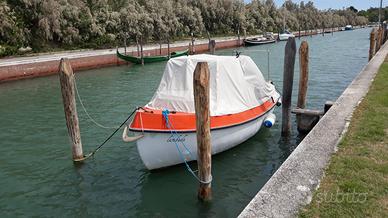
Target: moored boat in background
[[151, 59], [348, 27], [266, 39], [285, 35]]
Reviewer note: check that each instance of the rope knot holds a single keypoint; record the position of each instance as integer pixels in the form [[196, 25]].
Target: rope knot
[[165, 114]]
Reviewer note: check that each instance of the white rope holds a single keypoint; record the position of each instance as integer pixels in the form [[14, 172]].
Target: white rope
[[86, 112], [254, 50]]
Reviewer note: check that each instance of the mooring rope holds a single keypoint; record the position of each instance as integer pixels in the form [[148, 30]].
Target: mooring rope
[[174, 133], [109, 137], [86, 112]]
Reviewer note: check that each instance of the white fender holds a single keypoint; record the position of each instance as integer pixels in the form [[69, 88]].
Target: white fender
[[270, 120]]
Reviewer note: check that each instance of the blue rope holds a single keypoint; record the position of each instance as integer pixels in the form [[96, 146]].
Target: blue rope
[[174, 133]]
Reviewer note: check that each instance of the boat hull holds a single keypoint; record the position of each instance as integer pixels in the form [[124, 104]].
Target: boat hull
[[284, 37], [152, 59], [159, 149], [258, 42]]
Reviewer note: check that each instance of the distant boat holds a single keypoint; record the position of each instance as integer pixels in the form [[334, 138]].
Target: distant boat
[[348, 27], [151, 59], [268, 38], [285, 35]]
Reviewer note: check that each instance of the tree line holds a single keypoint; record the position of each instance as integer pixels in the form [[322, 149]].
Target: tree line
[[48, 24], [372, 14]]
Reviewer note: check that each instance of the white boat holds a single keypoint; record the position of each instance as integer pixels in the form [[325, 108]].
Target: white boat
[[285, 35], [348, 27], [240, 101]]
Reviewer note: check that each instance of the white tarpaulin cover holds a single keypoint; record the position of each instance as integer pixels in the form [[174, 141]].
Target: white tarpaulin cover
[[236, 85]]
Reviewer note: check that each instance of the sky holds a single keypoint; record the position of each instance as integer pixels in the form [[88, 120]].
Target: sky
[[339, 4]]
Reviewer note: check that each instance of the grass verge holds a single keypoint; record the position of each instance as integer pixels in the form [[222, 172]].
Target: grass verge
[[356, 181]]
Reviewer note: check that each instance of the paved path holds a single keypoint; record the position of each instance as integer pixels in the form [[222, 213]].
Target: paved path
[[37, 58]]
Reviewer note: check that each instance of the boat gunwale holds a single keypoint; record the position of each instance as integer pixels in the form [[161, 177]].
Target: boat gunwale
[[214, 128], [151, 59]]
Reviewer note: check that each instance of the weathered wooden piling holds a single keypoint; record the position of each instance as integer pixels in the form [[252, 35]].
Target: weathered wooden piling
[[378, 39], [192, 44], [303, 74], [202, 115], [299, 35], [305, 119], [160, 47], [212, 46], [138, 48], [168, 48], [238, 38], [67, 80], [372, 44], [125, 45], [141, 51], [288, 78]]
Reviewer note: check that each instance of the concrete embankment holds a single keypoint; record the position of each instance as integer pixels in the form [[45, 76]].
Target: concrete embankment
[[47, 64], [293, 184]]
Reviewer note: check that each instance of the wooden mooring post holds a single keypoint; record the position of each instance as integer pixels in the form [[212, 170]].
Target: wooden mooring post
[[141, 51], [67, 80], [192, 44], [378, 40], [202, 115], [305, 119], [303, 73], [212, 46], [372, 44], [288, 79]]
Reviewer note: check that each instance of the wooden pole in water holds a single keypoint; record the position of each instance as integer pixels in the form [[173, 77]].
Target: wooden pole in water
[[66, 77], [372, 44], [202, 115], [381, 35], [137, 45], [192, 44], [299, 33], [160, 47], [378, 39], [288, 78], [168, 48], [212, 46], [303, 74], [125, 45], [238, 38], [141, 51]]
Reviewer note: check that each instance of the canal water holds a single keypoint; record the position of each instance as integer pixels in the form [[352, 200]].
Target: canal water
[[38, 178]]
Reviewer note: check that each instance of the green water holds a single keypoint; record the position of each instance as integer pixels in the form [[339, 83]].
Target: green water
[[38, 178]]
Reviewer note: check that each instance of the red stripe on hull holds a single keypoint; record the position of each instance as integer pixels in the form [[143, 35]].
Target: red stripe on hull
[[152, 120]]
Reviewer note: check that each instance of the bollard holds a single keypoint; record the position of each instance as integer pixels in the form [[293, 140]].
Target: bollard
[[67, 80], [202, 115]]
